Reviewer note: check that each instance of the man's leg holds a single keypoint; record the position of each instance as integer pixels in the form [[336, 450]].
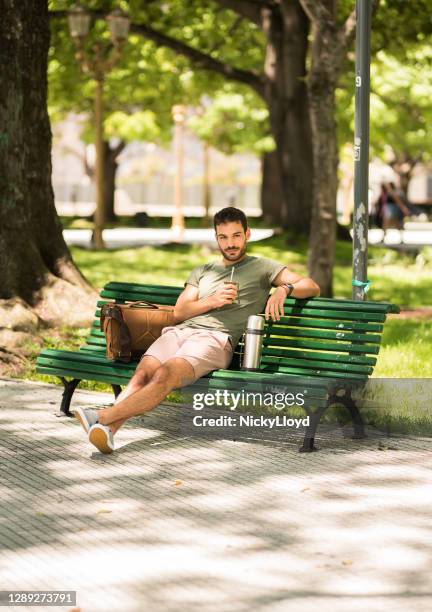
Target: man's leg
[[174, 373], [142, 375]]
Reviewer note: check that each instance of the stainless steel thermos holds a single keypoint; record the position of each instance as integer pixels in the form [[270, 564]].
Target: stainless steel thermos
[[253, 341]]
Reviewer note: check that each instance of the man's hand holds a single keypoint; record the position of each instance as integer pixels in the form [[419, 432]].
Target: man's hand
[[274, 307], [225, 294]]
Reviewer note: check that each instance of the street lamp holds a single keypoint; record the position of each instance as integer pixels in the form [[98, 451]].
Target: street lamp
[[97, 67], [177, 227]]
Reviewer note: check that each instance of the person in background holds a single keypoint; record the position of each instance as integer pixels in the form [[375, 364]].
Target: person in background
[[391, 209]]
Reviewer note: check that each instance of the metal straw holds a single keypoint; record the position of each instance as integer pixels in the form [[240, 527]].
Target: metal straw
[[232, 273]]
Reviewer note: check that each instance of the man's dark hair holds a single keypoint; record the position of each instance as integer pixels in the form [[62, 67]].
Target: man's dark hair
[[228, 214]]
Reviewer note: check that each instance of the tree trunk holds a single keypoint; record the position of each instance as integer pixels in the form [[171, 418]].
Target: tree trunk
[[321, 87], [110, 170], [286, 27], [271, 189], [36, 268]]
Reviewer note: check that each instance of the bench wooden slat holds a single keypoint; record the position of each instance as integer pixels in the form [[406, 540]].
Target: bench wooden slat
[[98, 350], [298, 370], [353, 326], [122, 287], [334, 304], [341, 315], [323, 346], [132, 296], [294, 332], [318, 364], [90, 361], [264, 377], [311, 355], [95, 340], [74, 372], [342, 303]]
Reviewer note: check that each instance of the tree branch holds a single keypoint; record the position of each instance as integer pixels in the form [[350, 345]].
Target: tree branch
[[250, 9], [318, 14], [115, 152], [347, 32], [202, 59], [230, 32], [199, 58]]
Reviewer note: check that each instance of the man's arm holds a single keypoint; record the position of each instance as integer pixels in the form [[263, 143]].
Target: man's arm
[[303, 288], [188, 305]]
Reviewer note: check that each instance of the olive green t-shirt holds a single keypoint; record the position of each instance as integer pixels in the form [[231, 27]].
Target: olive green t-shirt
[[254, 276]]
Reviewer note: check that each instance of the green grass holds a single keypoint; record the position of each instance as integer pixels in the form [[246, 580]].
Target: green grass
[[406, 349]]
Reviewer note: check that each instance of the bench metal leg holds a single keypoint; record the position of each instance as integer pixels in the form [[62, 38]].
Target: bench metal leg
[[357, 421], [116, 390], [344, 398], [69, 388], [309, 439]]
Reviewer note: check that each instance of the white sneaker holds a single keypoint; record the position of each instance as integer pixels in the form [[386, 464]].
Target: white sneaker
[[87, 417], [102, 437]]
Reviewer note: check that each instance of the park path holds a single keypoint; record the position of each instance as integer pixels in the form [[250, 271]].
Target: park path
[[170, 523]]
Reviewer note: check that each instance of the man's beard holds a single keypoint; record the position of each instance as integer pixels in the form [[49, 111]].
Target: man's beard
[[234, 254]]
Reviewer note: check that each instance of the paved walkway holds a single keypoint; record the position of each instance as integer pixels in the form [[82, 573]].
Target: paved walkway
[[170, 523]]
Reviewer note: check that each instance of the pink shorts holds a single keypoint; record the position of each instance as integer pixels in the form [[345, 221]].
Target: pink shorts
[[204, 349]]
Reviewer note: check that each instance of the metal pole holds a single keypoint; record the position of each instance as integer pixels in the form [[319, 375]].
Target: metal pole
[[99, 215], [361, 150]]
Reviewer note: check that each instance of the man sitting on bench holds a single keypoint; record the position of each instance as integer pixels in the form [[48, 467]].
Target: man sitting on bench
[[212, 312]]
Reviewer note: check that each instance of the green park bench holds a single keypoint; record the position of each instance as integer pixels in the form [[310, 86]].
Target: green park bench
[[327, 346]]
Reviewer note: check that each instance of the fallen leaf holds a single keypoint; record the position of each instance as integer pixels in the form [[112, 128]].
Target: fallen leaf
[[349, 562], [178, 482]]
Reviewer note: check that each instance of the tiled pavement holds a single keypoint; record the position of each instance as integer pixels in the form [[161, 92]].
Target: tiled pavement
[[171, 523]]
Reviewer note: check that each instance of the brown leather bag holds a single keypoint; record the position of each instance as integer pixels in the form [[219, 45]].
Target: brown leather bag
[[131, 328]]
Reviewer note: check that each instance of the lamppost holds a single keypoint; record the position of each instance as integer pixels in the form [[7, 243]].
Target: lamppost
[[97, 67], [177, 227]]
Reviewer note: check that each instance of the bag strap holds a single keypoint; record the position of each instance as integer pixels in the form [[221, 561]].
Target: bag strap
[[142, 304]]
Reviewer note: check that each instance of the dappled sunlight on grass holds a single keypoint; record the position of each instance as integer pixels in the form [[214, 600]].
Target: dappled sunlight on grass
[[406, 350], [169, 265]]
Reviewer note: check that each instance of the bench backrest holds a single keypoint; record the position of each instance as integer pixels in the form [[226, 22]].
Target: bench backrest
[[322, 337]]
